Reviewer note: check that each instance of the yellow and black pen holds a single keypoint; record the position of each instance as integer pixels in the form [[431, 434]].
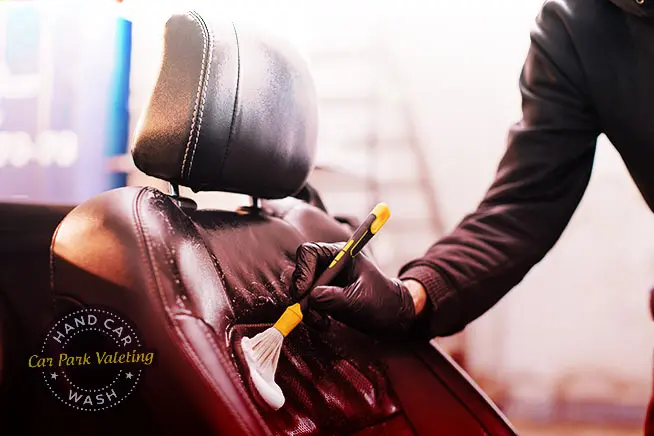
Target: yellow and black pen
[[292, 316]]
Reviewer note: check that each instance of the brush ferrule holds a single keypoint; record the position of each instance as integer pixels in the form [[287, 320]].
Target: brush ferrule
[[291, 317]]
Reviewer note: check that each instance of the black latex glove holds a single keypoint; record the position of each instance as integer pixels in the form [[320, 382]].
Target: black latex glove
[[361, 296]]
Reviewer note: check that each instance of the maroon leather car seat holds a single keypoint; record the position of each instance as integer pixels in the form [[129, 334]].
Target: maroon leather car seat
[[235, 111]]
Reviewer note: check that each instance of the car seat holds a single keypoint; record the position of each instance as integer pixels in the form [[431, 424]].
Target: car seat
[[234, 110]]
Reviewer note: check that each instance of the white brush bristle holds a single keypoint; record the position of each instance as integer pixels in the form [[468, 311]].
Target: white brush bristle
[[262, 355], [265, 350]]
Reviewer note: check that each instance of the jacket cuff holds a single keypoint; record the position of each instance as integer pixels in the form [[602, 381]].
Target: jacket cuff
[[436, 286], [443, 312]]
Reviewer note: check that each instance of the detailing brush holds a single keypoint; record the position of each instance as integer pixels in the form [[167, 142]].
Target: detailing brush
[[263, 350]]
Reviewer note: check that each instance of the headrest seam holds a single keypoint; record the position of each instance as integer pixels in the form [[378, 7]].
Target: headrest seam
[[204, 95], [238, 89], [200, 98]]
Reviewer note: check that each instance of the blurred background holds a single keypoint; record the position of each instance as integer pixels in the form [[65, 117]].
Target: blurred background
[[416, 99]]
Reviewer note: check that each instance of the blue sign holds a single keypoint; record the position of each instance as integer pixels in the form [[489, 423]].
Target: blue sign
[[64, 85]]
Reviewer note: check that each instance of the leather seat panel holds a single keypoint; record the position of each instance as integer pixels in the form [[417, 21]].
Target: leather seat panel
[[195, 282], [186, 279], [431, 398], [398, 425], [332, 381], [253, 259], [336, 389], [254, 256]]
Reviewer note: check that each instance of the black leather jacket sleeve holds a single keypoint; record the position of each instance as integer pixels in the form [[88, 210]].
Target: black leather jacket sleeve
[[538, 185]]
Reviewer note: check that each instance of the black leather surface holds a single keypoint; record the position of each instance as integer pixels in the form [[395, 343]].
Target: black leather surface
[[232, 110]]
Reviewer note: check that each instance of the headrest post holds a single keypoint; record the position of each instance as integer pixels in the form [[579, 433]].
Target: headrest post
[[255, 203], [184, 203], [174, 190]]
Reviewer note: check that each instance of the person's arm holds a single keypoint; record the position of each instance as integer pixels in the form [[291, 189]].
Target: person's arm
[[418, 296], [538, 186]]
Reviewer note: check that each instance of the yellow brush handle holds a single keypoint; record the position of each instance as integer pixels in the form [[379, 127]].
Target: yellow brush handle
[[292, 316], [382, 213]]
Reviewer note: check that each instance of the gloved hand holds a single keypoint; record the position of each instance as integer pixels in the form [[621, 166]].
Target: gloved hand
[[361, 296]]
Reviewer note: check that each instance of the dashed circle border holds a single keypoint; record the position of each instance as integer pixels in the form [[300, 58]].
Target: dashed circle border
[[134, 384], [75, 333]]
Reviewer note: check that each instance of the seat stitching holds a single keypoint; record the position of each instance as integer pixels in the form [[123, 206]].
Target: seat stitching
[[209, 330], [197, 97], [209, 335], [188, 347], [204, 98]]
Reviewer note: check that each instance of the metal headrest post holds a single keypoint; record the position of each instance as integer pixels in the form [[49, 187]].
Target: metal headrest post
[[174, 190], [255, 204], [186, 204]]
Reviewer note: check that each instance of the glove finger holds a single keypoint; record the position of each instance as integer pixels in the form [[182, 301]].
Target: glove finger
[[316, 320], [331, 299], [336, 302], [311, 259], [363, 266]]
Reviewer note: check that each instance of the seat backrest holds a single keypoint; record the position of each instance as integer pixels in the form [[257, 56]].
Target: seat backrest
[[235, 111]]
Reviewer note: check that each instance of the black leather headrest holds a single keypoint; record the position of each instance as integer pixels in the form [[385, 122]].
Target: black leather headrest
[[232, 110]]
